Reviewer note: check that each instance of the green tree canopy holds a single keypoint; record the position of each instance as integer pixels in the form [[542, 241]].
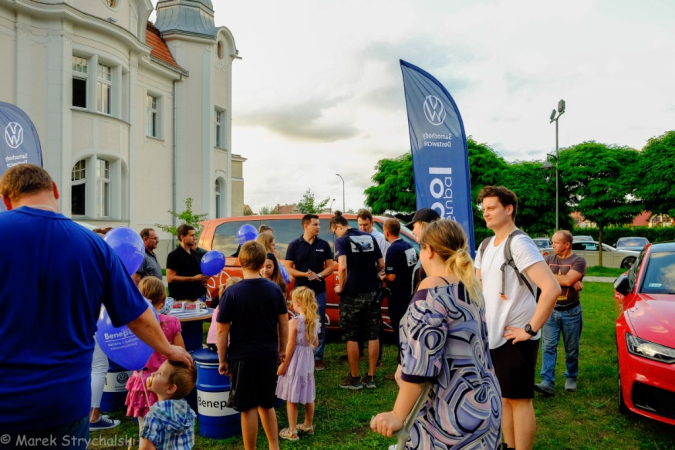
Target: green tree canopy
[[486, 168], [601, 183], [536, 198], [187, 216], [656, 166], [394, 188], [308, 204]]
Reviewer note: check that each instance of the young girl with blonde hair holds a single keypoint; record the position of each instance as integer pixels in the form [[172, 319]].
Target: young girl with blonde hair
[[444, 343], [296, 373]]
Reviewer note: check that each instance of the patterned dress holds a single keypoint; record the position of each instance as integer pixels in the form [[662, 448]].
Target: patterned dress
[[444, 342]]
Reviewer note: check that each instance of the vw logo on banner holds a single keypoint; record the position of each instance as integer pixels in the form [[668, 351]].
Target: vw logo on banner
[[434, 110], [14, 134]]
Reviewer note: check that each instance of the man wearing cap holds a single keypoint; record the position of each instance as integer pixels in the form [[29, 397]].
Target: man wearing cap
[[420, 220]]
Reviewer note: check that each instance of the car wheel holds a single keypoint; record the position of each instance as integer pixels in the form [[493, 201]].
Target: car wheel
[[628, 262]]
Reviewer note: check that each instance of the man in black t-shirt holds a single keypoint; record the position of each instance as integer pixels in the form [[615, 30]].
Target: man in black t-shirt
[[398, 268], [359, 261], [251, 312], [310, 260], [183, 271]]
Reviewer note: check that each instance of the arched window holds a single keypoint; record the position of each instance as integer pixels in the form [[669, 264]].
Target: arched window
[[220, 50], [96, 187], [111, 3], [219, 198]]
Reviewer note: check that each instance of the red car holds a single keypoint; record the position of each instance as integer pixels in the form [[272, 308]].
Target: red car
[[645, 334], [221, 235]]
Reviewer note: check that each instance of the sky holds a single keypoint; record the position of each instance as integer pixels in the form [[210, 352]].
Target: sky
[[319, 91]]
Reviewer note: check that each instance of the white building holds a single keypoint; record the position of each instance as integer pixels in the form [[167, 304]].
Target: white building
[[133, 117]]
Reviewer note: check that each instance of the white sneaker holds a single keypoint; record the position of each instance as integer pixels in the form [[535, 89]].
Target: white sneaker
[[393, 447]]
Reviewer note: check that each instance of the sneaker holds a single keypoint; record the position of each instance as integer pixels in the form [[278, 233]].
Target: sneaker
[[289, 435], [393, 447], [103, 424], [545, 389], [353, 383], [369, 381], [570, 385], [319, 365]]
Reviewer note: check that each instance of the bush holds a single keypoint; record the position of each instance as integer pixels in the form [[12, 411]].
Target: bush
[[612, 234]]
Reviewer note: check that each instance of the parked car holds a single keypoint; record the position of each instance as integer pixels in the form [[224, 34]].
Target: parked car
[[543, 242], [645, 334], [221, 235], [582, 238], [632, 243], [611, 257]]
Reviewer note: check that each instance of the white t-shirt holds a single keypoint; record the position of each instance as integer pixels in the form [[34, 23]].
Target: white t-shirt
[[381, 241], [518, 308]]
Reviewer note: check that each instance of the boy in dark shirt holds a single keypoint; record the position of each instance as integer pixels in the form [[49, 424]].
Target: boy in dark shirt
[[250, 313]]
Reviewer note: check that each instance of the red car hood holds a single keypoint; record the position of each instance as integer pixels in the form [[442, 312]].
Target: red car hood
[[652, 317]]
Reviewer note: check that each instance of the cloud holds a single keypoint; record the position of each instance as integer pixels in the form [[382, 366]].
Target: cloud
[[302, 121]]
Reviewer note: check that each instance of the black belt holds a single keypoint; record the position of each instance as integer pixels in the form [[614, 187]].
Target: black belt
[[567, 307]]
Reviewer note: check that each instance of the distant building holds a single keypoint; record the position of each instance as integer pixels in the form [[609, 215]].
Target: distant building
[[133, 117], [286, 209]]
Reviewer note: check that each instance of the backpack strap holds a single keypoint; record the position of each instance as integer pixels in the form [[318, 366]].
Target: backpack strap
[[483, 246], [508, 261]]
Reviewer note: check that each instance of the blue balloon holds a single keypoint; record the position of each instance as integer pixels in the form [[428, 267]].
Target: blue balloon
[[284, 273], [212, 263], [129, 247], [120, 344], [246, 233]]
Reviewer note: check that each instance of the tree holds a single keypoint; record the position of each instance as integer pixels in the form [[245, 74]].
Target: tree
[[486, 168], [394, 188], [267, 210], [601, 184], [187, 217], [536, 199], [655, 165], [308, 206], [248, 211]]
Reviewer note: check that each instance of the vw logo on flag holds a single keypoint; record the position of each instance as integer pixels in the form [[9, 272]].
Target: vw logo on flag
[[434, 110], [14, 134]]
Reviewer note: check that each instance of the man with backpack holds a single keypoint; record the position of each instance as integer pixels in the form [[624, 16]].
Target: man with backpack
[[511, 269]]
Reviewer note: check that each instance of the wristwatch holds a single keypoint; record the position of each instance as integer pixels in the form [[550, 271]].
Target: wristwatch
[[529, 330], [318, 275]]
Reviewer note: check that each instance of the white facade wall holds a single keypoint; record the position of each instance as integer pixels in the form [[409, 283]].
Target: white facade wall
[[38, 41]]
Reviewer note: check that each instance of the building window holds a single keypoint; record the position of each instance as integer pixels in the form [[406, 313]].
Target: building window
[[218, 190], [104, 89], [111, 3], [79, 82], [78, 188], [220, 124], [102, 188], [220, 50], [152, 117]]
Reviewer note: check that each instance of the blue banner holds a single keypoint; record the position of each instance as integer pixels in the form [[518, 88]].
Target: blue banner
[[439, 152], [20, 143]]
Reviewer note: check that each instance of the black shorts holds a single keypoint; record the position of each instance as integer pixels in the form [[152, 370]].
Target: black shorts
[[360, 316], [514, 366], [253, 384]]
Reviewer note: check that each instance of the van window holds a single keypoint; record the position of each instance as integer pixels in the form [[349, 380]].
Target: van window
[[285, 232], [225, 237]]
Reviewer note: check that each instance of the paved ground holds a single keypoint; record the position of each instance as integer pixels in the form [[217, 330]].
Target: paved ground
[[601, 279]]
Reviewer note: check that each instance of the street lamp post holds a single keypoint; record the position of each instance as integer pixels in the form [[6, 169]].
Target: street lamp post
[[554, 118], [343, 191], [331, 205]]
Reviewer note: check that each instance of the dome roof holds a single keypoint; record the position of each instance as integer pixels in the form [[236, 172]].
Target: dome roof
[[194, 17]]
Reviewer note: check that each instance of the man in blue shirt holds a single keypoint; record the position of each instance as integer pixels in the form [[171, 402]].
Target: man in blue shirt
[[310, 260], [398, 268], [55, 277], [359, 261]]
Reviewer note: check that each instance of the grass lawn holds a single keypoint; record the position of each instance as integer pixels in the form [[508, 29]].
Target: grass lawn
[[599, 271], [586, 419]]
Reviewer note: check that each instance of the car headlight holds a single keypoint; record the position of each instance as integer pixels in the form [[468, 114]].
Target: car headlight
[[649, 350]]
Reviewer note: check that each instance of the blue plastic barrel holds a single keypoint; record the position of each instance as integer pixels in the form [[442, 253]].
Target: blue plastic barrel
[[114, 389], [216, 420]]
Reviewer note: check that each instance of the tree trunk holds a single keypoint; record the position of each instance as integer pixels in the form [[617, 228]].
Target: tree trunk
[[600, 245]]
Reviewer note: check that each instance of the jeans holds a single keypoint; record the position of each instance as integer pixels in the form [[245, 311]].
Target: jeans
[[321, 301], [73, 435], [569, 323]]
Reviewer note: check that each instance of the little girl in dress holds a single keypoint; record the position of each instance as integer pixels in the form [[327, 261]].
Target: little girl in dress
[[139, 398], [296, 373]]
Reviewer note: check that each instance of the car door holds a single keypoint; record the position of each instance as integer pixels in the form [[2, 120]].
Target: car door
[[588, 251]]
